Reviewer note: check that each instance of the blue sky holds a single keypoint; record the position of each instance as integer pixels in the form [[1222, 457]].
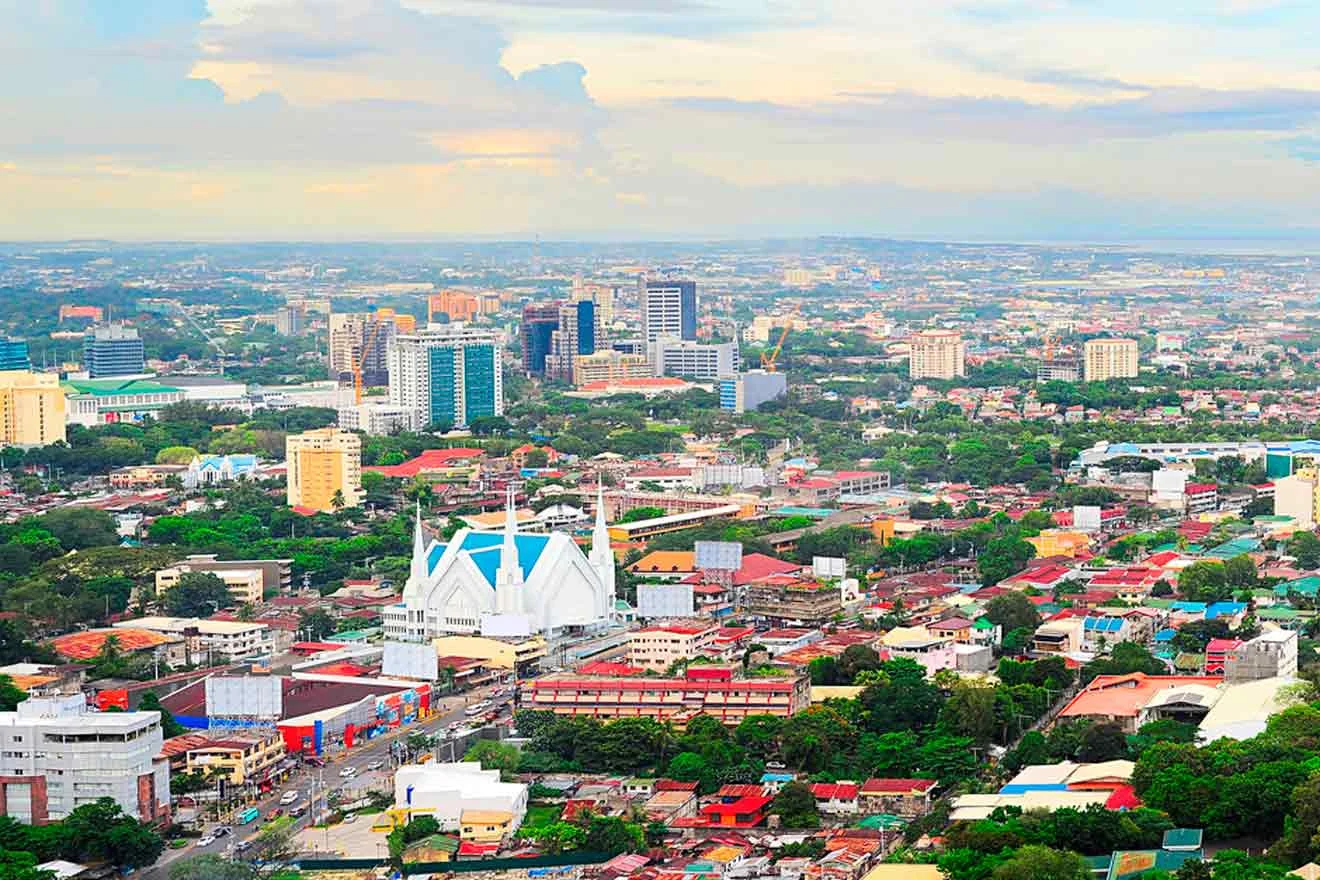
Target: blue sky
[[342, 119]]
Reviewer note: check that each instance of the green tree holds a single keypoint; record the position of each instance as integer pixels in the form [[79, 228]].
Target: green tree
[[612, 834], [176, 455], [317, 623], [212, 867], [101, 831], [398, 840], [1003, 557], [21, 866], [795, 806], [1204, 582], [10, 694], [1240, 572], [1042, 863], [759, 734], [77, 528], [151, 703], [970, 711], [1012, 611], [495, 755], [197, 594], [1305, 548], [1102, 742]]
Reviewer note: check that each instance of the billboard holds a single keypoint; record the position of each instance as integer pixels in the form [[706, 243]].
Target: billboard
[[506, 625], [829, 567], [664, 600], [1086, 518], [245, 696], [718, 555], [407, 660]]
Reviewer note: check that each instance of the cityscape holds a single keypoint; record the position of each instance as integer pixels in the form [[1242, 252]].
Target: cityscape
[[659, 440]]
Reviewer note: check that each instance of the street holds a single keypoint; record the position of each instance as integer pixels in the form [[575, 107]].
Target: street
[[323, 781]]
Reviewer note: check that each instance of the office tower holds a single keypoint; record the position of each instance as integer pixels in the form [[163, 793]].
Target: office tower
[[600, 294], [447, 375], [59, 755], [14, 354], [1104, 359], [579, 333], [937, 354], [113, 350], [453, 305], [32, 408], [290, 320], [539, 322], [322, 464], [353, 334], [668, 308], [747, 391], [693, 360]]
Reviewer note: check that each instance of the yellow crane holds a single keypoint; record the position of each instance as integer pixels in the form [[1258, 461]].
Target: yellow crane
[[369, 343], [768, 358]]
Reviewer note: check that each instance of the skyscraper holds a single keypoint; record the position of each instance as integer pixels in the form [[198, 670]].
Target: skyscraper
[[539, 323], [668, 308], [447, 375], [14, 354], [1104, 359], [353, 333], [937, 354], [579, 332], [32, 408], [113, 350], [324, 467]]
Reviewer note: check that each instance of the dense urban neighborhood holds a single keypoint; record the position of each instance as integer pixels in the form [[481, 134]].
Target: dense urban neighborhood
[[831, 559]]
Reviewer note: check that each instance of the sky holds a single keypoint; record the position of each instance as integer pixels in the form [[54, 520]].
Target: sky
[[615, 119]]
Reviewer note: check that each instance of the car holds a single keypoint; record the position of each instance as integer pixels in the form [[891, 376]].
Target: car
[[376, 765], [774, 765], [350, 817], [274, 814], [298, 810], [288, 797], [314, 762], [455, 725], [206, 841], [243, 846], [221, 831], [348, 773]]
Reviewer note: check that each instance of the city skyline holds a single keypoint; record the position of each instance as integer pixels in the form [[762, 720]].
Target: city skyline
[[1002, 119]]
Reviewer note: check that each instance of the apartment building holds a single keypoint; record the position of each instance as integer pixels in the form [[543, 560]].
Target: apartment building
[[56, 755], [659, 647], [937, 354], [32, 408], [1105, 359], [113, 350], [447, 375], [609, 366], [249, 580], [250, 757], [363, 339], [213, 641], [704, 689], [324, 469], [689, 359], [453, 305], [793, 601]]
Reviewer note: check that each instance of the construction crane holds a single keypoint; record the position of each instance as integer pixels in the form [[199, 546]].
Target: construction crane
[[768, 358], [369, 343]]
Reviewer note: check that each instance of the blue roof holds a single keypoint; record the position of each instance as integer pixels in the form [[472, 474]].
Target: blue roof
[[484, 548], [1165, 635], [1103, 624], [1189, 607], [1224, 609], [777, 777], [1025, 787]]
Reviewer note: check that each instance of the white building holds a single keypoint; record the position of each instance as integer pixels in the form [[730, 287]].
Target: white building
[[213, 640], [671, 356], [446, 791], [667, 308], [937, 354], [448, 374], [376, 418], [208, 470], [56, 755], [540, 583]]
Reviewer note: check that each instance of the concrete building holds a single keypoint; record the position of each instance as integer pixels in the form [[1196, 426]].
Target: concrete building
[[447, 375], [248, 579], [1104, 359], [1270, 655], [609, 366], [453, 305], [659, 647], [14, 354], [446, 791], [211, 470], [32, 408], [536, 333], [579, 333], [113, 350], [116, 401], [492, 651], [937, 354], [792, 601], [375, 417], [671, 356], [364, 338], [1296, 496], [249, 757], [56, 754], [324, 467], [667, 308], [211, 640], [747, 391]]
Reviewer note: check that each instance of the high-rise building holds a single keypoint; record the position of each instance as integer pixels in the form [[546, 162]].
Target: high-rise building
[[693, 360], [290, 320], [448, 374], [58, 755], [609, 366], [364, 338], [14, 354], [937, 354], [747, 391], [1104, 359], [600, 294], [454, 305], [113, 350], [579, 333], [324, 467], [539, 323], [32, 408], [668, 308]]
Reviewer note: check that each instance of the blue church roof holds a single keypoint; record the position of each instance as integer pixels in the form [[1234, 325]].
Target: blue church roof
[[485, 550]]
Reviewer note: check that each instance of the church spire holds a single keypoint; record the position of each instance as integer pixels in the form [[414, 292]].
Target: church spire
[[602, 557], [509, 577], [419, 567]]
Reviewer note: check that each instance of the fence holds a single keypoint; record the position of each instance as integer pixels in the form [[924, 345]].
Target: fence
[[572, 859]]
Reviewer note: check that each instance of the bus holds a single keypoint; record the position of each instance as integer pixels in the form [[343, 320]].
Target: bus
[[251, 814]]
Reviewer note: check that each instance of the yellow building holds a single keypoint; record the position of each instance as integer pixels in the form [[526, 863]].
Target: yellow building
[[244, 758], [485, 826], [245, 584], [1104, 359], [609, 366], [499, 653], [32, 408], [321, 465], [937, 354], [1059, 542], [883, 530]]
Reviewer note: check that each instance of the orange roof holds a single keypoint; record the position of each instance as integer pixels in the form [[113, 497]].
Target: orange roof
[[1122, 696], [28, 682], [86, 645], [666, 561]]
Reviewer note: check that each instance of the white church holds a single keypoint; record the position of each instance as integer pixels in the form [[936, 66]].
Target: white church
[[504, 583]]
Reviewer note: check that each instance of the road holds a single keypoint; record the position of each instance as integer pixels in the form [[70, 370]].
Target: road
[[308, 780]]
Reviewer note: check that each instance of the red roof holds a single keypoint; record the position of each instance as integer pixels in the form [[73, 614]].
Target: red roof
[[1123, 798], [605, 667], [1042, 574], [1219, 646], [879, 786], [431, 459], [738, 791], [1162, 559], [757, 565], [674, 785], [1199, 488], [314, 647], [835, 791], [744, 806], [86, 645]]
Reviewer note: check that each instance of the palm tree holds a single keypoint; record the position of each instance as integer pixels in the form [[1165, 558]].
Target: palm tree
[[337, 500]]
